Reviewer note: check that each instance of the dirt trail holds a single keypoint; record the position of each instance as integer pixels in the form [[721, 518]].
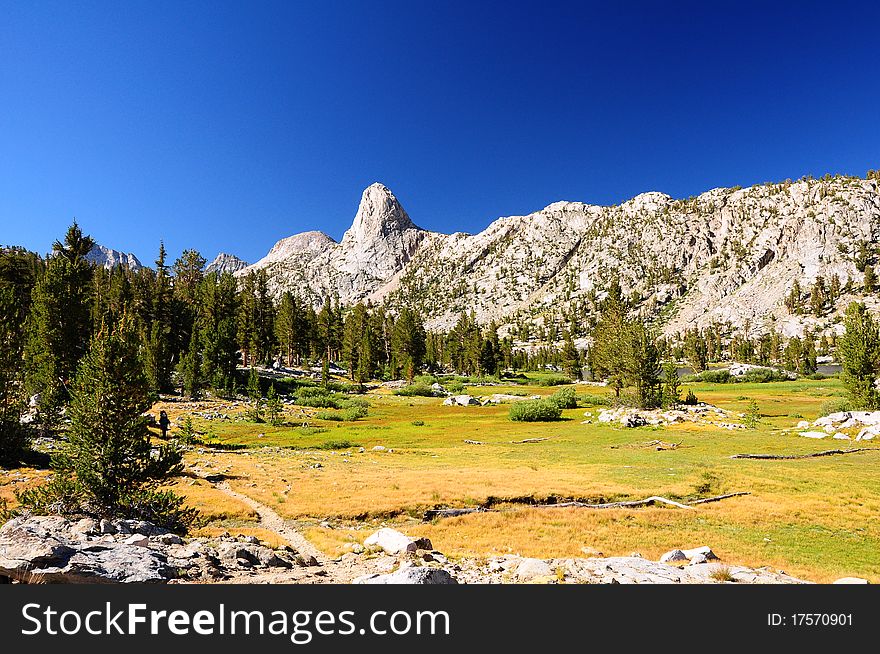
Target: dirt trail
[[274, 522]]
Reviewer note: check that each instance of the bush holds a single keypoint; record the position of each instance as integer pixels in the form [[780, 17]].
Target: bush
[[595, 400], [691, 399], [564, 398], [553, 380], [418, 423], [455, 387], [535, 411], [835, 406], [336, 445]]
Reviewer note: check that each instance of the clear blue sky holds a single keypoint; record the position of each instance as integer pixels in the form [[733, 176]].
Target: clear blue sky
[[226, 126]]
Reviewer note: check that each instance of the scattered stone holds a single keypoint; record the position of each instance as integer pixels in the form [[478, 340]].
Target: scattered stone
[[379, 448], [461, 400], [851, 580], [812, 434]]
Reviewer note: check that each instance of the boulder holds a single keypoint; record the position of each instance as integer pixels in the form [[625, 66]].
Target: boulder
[[438, 390], [391, 541], [410, 575], [803, 424], [851, 580], [698, 559], [673, 556], [704, 550], [812, 434], [634, 420], [529, 569], [868, 433]]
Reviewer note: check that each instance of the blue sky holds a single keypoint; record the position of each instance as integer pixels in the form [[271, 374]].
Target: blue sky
[[226, 126]]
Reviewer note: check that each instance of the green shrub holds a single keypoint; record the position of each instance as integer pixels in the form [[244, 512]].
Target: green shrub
[[691, 399], [411, 390], [595, 400], [535, 411], [553, 380], [455, 387], [564, 398], [835, 406], [335, 445], [418, 423], [334, 416]]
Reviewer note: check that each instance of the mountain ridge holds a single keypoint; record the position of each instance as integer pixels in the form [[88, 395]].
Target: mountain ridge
[[726, 255]]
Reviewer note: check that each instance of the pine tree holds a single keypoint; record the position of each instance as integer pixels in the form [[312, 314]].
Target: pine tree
[[571, 358], [158, 346], [671, 385], [18, 272], [859, 352], [216, 327], [107, 467], [59, 324], [274, 407], [191, 368], [870, 280], [408, 343]]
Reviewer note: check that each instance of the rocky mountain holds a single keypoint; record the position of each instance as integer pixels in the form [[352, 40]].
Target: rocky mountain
[[376, 247], [103, 256], [727, 255], [225, 263]]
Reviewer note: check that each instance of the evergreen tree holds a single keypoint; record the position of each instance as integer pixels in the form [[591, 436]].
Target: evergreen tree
[[59, 324], [408, 343], [870, 280], [274, 407], [859, 352], [158, 346], [671, 384], [571, 358], [107, 468], [216, 329]]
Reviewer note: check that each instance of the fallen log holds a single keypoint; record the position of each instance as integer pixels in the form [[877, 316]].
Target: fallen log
[[648, 501], [789, 457], [628, 504], [430, 514], [717, 498], [530, 440], [469, 442]]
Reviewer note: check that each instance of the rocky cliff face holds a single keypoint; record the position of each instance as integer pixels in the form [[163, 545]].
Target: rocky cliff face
[[726, 255], [103, 256], [225, 263], [375, 248]]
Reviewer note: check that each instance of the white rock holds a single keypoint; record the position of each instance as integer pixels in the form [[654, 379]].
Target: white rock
[[840, 436], [529, 569], [851, 580], [137, 539], [813, 434], [803, 424], [391, 541], [704, 550]]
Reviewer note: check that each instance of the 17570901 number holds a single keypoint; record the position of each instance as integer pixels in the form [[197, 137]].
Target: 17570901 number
[[810, 620]]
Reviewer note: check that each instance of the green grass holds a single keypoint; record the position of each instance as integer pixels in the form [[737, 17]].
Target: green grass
[[817, 518]]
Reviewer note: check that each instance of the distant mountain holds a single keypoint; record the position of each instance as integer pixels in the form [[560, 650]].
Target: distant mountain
[[730, 255], [225, 263], [108, 258]]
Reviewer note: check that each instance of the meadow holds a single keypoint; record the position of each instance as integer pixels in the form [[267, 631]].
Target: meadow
[[815, 518]]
